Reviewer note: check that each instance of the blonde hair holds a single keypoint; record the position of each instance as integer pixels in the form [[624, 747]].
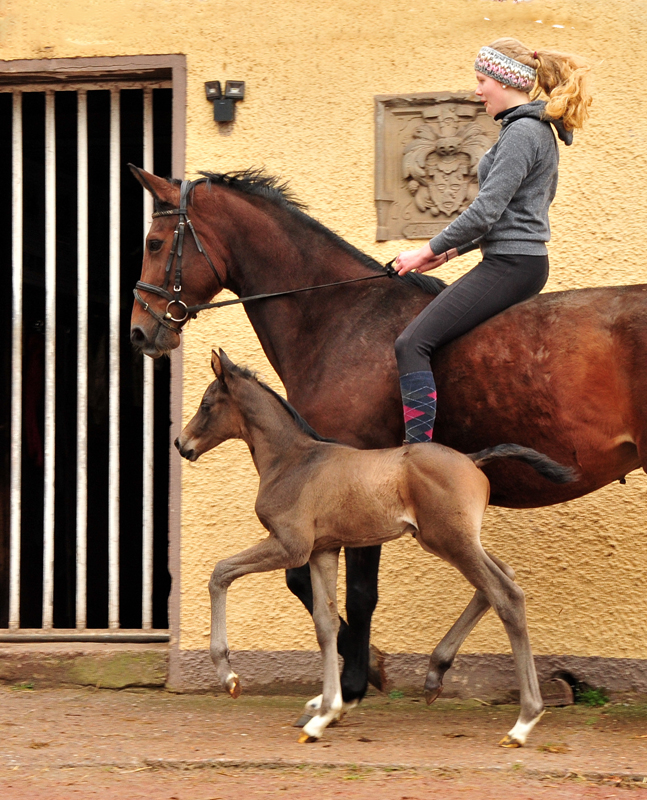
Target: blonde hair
[[562, 79]]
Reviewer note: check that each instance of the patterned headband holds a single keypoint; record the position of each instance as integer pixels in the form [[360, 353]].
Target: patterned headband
[[504, 69]]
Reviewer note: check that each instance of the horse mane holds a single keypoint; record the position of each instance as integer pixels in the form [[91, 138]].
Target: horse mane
[[305, 427], [257, 183]]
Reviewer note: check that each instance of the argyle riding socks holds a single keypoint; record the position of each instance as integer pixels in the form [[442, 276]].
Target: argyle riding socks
[[419, 405]]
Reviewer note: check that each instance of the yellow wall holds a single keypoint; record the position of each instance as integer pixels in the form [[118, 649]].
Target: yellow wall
[[312, 69]]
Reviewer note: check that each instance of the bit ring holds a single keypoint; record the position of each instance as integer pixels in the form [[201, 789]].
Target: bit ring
[[168, 314]]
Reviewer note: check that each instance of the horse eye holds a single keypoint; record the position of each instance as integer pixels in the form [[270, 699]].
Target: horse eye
[[154, 245]]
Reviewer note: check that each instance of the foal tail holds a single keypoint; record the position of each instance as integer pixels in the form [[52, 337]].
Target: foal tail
[[557, 473]]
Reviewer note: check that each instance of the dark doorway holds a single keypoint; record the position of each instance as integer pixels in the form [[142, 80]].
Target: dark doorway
[[32, 107]]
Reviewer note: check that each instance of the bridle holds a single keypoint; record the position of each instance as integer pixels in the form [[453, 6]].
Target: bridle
[[175, 255]]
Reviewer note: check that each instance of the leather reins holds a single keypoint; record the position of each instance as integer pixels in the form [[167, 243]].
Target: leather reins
[[175, 255]]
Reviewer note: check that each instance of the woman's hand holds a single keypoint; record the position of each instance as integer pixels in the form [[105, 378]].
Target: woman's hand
[[421, 260]]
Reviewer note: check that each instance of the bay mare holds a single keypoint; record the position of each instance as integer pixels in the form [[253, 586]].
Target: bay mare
[[316, 496], [564, 373]]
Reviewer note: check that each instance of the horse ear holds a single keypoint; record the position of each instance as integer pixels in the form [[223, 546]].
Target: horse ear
[[216, 366], [160, 188]]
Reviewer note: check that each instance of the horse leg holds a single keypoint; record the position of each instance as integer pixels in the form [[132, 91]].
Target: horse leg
[[445, 652], [262, 557], [323, 572], [362, 567]]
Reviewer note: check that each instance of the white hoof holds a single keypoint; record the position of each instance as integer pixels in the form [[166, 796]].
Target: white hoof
[[232, 684], [318, 724], [314, 704], [518, 735]]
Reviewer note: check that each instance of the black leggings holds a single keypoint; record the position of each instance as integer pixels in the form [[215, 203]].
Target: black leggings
[[495, 284]]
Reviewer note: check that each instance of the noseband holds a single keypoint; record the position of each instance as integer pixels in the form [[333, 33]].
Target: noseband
[[175, 254]]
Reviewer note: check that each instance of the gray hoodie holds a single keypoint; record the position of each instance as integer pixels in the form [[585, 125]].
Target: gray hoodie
[[517, 184]]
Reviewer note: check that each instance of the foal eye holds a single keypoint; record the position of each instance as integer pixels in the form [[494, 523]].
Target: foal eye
[[154, 245]]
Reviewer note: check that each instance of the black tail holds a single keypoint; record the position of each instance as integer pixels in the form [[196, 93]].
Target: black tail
[[557, 473]]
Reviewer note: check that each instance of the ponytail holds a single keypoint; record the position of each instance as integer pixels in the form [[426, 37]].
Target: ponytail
[[562, 80]]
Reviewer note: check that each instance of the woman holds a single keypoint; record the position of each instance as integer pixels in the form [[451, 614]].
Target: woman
[[508, 219]]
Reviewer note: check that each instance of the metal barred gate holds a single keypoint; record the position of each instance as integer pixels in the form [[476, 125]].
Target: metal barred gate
[[84, 422]]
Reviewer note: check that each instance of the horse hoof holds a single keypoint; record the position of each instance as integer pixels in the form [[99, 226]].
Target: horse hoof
[[376, 671], [508, 741], [303, 720], [346, 707], [233, 686], [433, 694], [304, 738]]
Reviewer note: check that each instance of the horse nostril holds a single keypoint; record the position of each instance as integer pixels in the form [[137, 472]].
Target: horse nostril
[[137, 336], [177, 443]]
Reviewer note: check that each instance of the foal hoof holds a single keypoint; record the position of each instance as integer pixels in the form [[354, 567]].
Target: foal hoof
[[233, 686], [433, 694], [509, 741], [303, 720], [304, 738], [376, 671]]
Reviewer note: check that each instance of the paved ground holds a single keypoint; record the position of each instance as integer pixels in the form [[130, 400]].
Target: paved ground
[[62, 743]]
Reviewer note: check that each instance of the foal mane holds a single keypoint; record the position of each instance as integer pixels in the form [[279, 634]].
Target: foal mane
[[257, 183], [304, 426]]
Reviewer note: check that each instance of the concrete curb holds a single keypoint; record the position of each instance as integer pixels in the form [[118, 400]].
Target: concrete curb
[[489, 676], [107, 665]]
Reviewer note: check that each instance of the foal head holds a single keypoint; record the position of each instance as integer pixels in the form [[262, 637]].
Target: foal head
[[239, 406], [219, 417]]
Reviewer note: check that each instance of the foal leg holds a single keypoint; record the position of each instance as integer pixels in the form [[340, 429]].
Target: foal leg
[[508, 601], [300, 584], [363, 663], [445, 652], [323, 571], [262, 557]]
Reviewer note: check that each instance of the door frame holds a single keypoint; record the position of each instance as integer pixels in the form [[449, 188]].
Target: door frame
[[122, 68]]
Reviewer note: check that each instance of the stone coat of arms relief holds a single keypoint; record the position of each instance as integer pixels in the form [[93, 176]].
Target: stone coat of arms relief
[[428, 149]]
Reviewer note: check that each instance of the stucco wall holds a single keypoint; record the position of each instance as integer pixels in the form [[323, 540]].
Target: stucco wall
[[312, 69]]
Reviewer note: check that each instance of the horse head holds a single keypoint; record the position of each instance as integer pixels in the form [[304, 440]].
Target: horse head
[[184, 264]]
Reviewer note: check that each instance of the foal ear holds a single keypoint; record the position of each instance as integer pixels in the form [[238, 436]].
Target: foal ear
[[160, 188], [216, 366], [225, 360]]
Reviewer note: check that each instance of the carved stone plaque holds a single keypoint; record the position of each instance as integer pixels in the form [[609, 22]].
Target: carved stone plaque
[[428, 148]]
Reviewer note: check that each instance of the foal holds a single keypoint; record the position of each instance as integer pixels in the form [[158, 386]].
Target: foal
[[316, 496]]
